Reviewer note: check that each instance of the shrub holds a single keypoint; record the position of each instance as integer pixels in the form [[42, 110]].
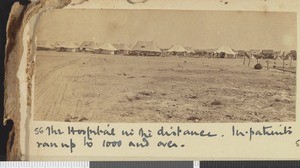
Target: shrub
[[258, 66]]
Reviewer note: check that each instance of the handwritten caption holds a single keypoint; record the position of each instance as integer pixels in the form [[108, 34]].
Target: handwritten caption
[[111, 137]]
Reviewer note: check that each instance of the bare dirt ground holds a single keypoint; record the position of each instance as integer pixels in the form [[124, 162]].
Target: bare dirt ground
[[109, 88]]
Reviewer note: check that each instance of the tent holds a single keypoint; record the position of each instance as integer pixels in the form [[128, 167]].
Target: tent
[[253, 54], [44, 46], [65, 47], [92, 47], [122, 48], [85, 45], [177, 50], [225, 52], [278, 55], [107, 48], [189, 49], [77, 44], [145, 48]]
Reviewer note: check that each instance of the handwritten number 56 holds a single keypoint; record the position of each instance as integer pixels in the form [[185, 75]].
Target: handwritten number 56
[[38, 130]]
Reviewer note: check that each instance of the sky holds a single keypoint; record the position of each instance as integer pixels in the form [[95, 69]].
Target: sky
[[197, 29]]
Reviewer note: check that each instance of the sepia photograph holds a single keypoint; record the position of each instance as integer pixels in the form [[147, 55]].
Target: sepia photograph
[[165, 66]]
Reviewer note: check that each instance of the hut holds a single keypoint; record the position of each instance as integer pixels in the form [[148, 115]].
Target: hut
[[145, 48], [225, 52], [178, 50], [122, 48], [107, 48], [65, 47], [44, 46]]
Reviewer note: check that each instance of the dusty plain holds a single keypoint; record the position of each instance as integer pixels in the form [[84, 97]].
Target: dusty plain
[[84, 87]]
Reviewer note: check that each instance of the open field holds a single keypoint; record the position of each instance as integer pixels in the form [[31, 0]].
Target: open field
[[110, 88]]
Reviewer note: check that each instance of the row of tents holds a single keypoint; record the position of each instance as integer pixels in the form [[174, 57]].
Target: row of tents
[[87, 46], [268, 54], [227, 52], [149, 48], [142, 48]]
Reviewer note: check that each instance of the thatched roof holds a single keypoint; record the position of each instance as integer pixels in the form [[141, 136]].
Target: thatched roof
[[149, 46]]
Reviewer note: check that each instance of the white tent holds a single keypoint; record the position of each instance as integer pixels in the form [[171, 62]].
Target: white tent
[[77, 44], [278, 55], [44, 45], [253, 54], [65, 46], [107, 48], [189, 49], [92, 47], [228, 52], [145, 48], [122, 48], [177, 48], [85, 44]]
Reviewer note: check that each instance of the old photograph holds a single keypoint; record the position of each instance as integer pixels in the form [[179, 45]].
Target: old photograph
[[165, 66]]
